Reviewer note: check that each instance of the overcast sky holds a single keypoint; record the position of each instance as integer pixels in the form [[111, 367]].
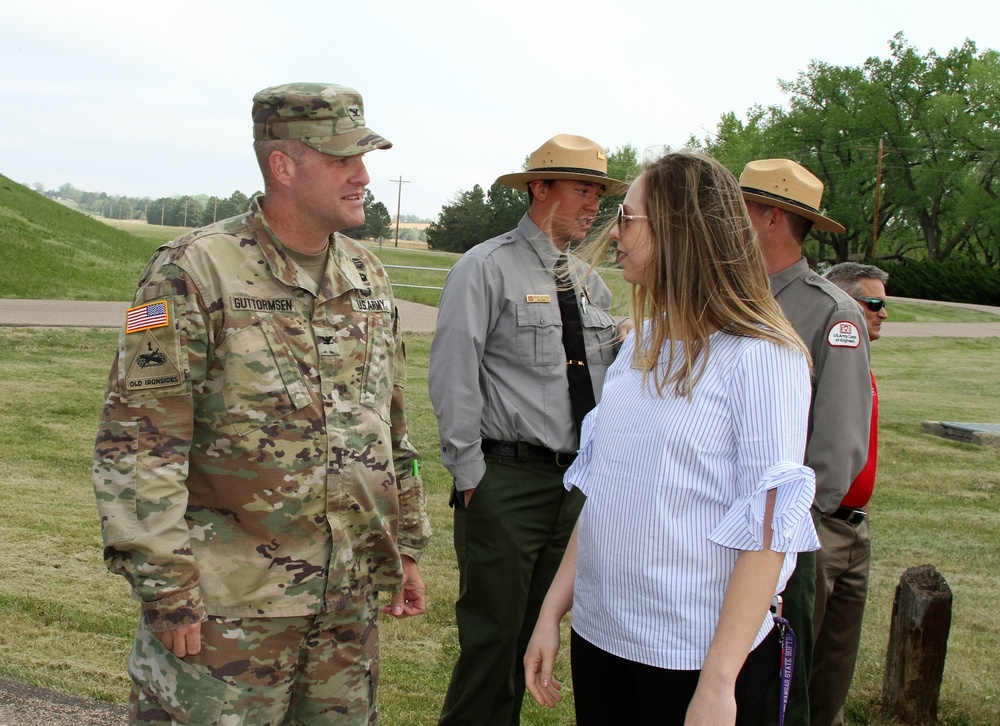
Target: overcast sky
[[153, 99]]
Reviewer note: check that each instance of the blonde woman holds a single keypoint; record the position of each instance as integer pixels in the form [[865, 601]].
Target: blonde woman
[[697, 500]]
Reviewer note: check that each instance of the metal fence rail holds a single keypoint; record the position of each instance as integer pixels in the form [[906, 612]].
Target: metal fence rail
[[448, 269], [427, 269]]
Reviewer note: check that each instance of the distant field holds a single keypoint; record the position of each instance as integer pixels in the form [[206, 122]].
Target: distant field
[[154, 232]]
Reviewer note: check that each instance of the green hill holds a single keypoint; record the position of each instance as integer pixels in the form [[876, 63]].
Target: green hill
[[51, 252]]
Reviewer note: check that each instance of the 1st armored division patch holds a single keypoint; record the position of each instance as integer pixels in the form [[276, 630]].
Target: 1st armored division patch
[[152, 366]]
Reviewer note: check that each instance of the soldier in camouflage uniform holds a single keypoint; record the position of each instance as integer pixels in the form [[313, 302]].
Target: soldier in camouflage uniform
[[252, 470]]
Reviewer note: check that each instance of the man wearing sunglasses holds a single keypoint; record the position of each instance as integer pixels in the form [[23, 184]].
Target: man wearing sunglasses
[[842, 563], [522, 343], [783, 200], [866, 284]]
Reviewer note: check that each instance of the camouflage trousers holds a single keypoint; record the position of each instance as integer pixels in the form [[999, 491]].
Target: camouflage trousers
[[321, 669]]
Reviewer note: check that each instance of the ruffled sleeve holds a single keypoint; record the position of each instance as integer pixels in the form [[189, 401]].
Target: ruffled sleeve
[[792, 527], [578, 474]]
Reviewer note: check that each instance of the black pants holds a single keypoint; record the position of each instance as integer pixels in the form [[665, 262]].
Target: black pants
[[800, 600], [610, 690], [509, 542]]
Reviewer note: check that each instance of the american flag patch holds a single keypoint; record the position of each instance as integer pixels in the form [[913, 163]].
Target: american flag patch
[[144, 317]]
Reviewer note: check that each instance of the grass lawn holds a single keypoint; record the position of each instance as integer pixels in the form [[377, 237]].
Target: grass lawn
[[66, 623]]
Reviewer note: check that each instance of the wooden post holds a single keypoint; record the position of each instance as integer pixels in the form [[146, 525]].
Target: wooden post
[[918, 642]]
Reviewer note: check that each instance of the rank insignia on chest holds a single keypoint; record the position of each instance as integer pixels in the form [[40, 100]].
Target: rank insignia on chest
[[537, 298], [360, 266]]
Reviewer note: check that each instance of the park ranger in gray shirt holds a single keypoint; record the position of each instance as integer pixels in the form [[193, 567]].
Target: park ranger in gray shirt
[[499, 384], [783, 199]]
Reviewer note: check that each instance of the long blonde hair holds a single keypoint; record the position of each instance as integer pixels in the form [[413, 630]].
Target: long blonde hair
[[705, 271]]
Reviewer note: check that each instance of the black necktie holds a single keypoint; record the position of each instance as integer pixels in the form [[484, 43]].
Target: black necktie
[[581, 390]]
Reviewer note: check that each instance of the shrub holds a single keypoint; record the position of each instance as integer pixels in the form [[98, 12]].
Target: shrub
[[954, 280]]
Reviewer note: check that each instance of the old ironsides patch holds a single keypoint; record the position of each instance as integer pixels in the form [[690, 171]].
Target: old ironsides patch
[[151, 366]]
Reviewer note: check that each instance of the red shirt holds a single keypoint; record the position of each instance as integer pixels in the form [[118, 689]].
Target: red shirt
[[861, 489]]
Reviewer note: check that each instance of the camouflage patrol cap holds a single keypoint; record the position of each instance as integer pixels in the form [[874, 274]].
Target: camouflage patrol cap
[[325, 116]]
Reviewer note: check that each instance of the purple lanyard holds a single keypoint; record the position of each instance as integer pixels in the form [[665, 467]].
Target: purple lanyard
[[787, 638]]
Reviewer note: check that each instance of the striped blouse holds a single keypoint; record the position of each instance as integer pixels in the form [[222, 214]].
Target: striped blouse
[[676, 489]]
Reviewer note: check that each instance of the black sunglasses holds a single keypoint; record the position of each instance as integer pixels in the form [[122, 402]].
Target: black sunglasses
[[872, 303]]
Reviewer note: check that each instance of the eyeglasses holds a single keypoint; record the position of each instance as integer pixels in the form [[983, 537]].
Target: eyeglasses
[[623, 218], [872, 303]]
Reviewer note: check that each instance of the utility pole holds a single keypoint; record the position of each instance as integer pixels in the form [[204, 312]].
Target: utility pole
[[399, 198], [878, 195], [878, 189]]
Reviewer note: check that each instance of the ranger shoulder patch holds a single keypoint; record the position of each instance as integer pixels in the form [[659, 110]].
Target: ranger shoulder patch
[[844, 334]]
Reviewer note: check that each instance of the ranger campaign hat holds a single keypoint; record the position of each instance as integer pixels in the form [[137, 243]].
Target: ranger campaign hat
[[566, 157], [784, 184], [327, 117]]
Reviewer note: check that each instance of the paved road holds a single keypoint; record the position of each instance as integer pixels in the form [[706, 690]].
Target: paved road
[[942, 330], [22, 705], [415, 318]]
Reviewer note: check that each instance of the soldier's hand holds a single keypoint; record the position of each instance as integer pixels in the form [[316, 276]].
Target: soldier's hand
[[182, 641], [411, 601]]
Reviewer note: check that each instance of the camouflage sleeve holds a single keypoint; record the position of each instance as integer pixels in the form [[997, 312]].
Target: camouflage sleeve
[[141, 452], [414, 525]]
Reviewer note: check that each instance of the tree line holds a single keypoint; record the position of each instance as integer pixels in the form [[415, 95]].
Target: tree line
[[908, 147], [201, 210], [179, 211]]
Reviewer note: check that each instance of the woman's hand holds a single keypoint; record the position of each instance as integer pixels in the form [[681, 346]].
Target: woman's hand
[[711, 707], [538, 661]]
